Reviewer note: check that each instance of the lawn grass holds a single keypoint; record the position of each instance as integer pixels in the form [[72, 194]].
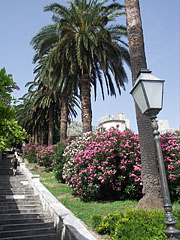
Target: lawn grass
[[82, 210]]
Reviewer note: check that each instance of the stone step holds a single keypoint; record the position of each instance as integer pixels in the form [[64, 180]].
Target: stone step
[[24, 216], [7, 171], [29, 220], [19, 202], [16, 191], [28, 193], [22, 211], [13, 205], [19, 175], [12, 180], [16, 186], [19, 196], [27, 232], [51, 236], [11, 227]]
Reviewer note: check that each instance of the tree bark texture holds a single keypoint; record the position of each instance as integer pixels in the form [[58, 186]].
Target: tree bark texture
[[51, 125], [63, 119], [86, 103], [41, 135], [150, 175], [36, 135]]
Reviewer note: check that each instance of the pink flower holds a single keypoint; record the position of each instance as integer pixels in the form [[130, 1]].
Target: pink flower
[[170, 167]]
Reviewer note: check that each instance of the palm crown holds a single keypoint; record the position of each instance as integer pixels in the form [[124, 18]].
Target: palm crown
[[81, 48]]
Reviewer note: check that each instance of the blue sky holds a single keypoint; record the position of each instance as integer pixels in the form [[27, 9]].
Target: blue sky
[[20, 20]]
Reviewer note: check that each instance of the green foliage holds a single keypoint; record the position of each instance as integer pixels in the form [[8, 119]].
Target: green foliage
[[6, 86], [11, 134], [10, 131], [59, 160], [133, 224]]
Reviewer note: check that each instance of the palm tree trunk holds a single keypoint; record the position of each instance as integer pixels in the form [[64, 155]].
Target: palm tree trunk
[[150, 175], [64, 119], [86, 103], [36, 135], [51, 125], [41, 135]]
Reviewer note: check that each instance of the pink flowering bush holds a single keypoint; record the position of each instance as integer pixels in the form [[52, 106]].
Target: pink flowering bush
[[42, 155], [104, 165], [171, 151], [30, 151], [46, 157]]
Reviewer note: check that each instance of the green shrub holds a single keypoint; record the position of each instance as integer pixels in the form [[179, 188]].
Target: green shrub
[[59, 160], [133, 224]]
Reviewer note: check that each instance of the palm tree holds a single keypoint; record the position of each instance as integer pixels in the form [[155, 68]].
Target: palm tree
[[59, 91], [150, 175], [83, 39], [28, 113]]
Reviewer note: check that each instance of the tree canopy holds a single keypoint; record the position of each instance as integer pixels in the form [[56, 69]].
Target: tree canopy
[[10, 131]]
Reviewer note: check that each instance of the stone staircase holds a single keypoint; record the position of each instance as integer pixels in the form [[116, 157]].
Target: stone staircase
[[21, 212]]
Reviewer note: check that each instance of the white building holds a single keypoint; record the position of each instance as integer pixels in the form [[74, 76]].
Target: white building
[[119, 119], [114, 120], [163, 125]]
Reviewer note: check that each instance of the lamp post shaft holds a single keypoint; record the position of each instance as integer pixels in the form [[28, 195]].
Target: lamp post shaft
[[171, 232]]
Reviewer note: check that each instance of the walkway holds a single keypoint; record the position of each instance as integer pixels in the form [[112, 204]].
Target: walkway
[[21, 213]]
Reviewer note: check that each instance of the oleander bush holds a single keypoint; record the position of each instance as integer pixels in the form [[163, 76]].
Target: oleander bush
[[171, 151], [133, 224], [42, 155], [30, 151], [104, 165], [45, 156]]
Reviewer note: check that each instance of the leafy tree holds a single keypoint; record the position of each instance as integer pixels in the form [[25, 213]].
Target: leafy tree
[[10, 131]]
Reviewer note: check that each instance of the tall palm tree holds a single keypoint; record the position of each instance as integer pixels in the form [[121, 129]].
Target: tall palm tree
[[83, 39], [28, 113], [59, 91], [150, 175]]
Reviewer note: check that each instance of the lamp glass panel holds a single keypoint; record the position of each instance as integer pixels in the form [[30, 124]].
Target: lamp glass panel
[[154, 92], [139, 98]]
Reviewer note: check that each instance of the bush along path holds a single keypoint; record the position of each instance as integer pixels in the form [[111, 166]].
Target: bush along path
[[106, 165]]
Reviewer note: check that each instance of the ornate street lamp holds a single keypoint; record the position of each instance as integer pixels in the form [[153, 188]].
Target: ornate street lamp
[[148, 94]]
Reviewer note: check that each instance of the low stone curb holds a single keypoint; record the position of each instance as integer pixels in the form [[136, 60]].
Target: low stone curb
[[68, 226]]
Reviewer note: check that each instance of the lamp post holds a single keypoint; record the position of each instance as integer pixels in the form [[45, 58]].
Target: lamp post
[[148, 94]]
